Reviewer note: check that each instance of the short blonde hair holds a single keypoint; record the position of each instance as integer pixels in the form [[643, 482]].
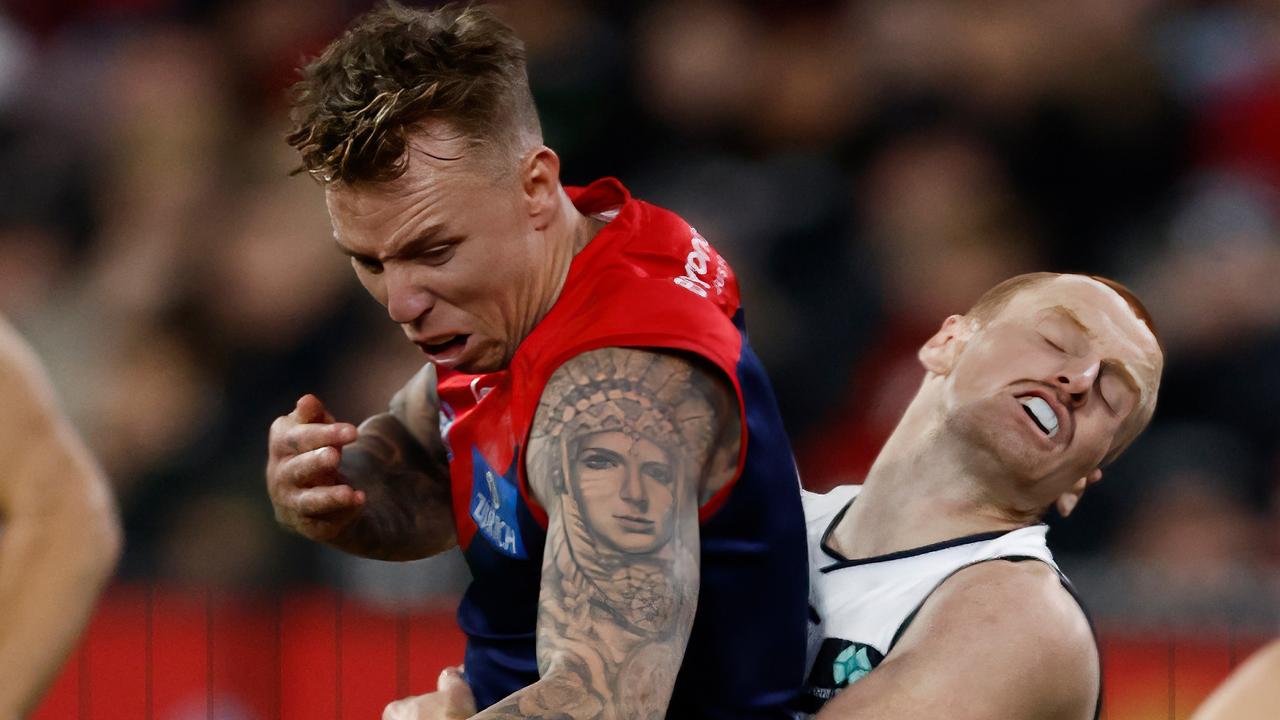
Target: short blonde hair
[[397, 67]]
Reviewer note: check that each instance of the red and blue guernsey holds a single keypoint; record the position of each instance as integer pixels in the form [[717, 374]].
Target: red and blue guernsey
[[647, 280]]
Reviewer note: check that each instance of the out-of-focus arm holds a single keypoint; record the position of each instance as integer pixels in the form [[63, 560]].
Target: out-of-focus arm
[[1251, 693], [59, 534]]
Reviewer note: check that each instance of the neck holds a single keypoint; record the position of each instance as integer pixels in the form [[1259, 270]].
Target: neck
[[566, 236], [578, 230], [922, 489]]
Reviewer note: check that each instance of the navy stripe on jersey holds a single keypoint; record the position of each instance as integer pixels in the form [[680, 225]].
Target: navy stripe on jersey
[[499, 610], [754, 565]]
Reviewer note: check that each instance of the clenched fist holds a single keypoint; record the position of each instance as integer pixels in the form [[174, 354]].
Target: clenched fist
[[381, 490], [306, 488]]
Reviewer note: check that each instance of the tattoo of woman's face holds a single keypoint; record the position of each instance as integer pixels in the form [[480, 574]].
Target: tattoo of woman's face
[[623, 484]]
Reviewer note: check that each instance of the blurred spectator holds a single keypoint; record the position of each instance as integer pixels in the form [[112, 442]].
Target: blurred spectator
[[943, 227], [868, 166], [1190, 546]]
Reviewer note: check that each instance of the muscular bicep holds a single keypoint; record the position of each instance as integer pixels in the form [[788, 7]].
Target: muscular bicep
[[623, 446]]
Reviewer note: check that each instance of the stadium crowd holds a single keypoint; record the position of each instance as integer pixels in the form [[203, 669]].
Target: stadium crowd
[[868, 166]]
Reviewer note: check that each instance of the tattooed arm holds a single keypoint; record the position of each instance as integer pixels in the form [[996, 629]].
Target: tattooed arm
[[379, 491], [624, 445]]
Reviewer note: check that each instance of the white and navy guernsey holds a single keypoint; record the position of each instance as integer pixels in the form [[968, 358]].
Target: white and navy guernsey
[[860, 608]]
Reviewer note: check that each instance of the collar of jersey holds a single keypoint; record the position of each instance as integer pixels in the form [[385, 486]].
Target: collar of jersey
[[843, 562]]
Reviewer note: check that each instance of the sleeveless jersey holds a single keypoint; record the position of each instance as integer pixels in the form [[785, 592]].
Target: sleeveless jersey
[[647, 280], [860, 608]]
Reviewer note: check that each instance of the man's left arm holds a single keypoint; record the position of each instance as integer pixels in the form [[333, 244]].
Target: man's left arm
[[624, 444], [997, 640]]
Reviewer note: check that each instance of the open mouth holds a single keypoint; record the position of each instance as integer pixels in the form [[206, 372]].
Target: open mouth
[[451, 345], [1041, 414]]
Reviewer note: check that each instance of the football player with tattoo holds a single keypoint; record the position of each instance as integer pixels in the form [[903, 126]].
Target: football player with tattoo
[[934, 592], [59, 534], [592, 429]]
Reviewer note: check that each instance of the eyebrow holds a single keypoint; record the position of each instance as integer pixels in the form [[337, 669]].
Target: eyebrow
[[348, 251], [1065, 312], [419, 244]]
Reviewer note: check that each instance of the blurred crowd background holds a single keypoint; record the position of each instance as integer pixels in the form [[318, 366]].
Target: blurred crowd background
[[868, 166]]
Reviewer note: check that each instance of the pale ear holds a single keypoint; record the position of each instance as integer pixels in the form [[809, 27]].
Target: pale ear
[[1068, 500], [938, 354], [540, 181]]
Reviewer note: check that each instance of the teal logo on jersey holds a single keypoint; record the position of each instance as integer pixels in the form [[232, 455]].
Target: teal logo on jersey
[[851, 665], [838, 664]]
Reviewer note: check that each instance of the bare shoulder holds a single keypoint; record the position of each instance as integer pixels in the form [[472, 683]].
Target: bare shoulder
[[1019, 631], [28, 398], [1268, 658], [1026, 597], [17, 361], [42, 461]]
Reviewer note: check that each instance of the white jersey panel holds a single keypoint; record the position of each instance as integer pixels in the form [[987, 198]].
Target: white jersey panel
[[858, 606]]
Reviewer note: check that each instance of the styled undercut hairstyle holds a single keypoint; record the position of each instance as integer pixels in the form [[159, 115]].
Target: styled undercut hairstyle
[[395, 67]]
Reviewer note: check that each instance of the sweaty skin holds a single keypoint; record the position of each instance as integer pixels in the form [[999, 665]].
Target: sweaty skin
[[59, 535]]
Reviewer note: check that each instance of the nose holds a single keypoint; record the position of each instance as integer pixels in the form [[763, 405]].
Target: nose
[[1076, 378], [633, 491], [406, 300]]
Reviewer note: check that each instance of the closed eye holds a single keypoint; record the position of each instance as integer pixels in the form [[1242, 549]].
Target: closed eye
[[1105, 401], [1114, 389], [1053, 344]]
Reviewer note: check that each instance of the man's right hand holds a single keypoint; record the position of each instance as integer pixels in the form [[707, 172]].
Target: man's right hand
[[309, 494], [379, 491]]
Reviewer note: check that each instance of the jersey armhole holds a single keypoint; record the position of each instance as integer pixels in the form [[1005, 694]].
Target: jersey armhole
[[642, 341], [1066, 584]]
